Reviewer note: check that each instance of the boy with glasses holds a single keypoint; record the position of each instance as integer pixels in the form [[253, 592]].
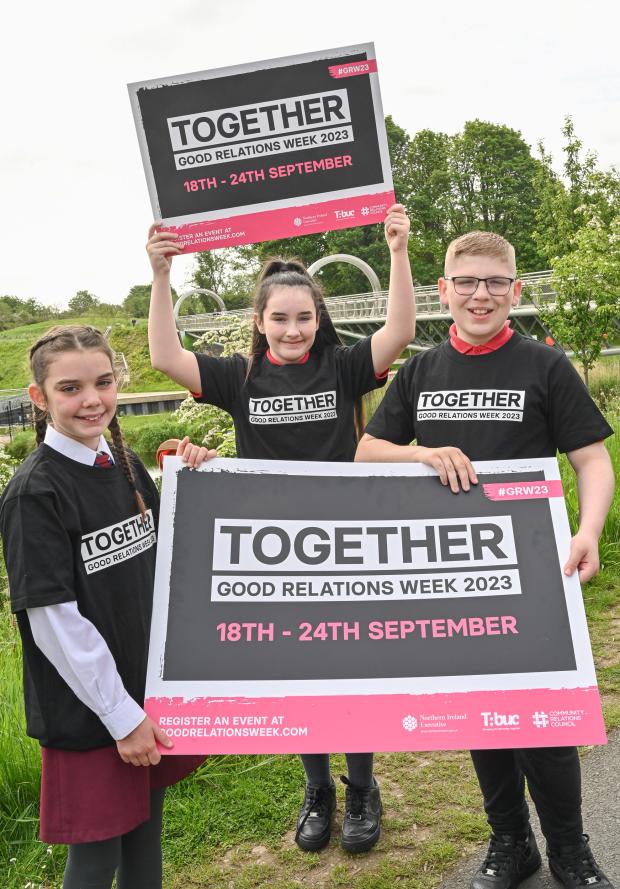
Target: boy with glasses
[[534, 403]]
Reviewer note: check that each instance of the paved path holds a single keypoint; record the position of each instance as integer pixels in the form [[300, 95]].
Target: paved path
[[601, 818]]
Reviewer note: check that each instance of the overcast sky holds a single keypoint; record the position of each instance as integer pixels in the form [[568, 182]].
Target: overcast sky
[[73, 197]]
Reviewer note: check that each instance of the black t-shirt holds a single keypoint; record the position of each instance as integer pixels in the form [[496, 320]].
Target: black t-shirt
[[292, 411], [525, 399], [75, 533]]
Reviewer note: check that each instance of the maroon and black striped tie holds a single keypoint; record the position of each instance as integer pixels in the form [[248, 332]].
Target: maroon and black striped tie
[[103, 460]]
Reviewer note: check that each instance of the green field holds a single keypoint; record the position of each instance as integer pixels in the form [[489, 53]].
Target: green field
[[231, 823], [131, 341]]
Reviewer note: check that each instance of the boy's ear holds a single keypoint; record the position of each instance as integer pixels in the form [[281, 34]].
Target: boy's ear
[[516, 293], [37, 396], [442, 286]]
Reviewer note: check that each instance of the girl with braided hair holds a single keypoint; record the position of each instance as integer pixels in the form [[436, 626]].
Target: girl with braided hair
[[297, 396], [78, 522]]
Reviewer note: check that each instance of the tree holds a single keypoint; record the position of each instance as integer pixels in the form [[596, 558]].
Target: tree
[[587, 284], [483, 178], [398, 144], [578, 231], [137, 301], [230, 273], [494, 178], [82, 303], [307, 248], [15, 312], [106, 309], [428, 201], [568, 204]]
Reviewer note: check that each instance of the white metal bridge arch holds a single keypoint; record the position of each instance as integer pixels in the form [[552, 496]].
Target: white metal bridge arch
[[357, 315]]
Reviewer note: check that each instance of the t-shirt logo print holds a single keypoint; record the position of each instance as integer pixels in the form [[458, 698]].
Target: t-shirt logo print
[[293, 408], [472, 404], [116, 543]]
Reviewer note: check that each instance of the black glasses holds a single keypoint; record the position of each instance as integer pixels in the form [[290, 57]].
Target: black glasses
[[465, 285]]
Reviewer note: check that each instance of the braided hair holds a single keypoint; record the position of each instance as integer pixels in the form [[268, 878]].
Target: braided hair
[[279, 272], [78, 338]]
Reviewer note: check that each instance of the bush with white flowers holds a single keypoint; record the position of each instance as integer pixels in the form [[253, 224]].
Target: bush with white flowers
[[212, 426]]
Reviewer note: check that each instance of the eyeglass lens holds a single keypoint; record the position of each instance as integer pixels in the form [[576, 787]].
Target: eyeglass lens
[[468, 286]]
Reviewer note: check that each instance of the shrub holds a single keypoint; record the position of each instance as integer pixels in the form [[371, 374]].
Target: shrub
[[235, 336], [204, 423], [145, 440], [23, 444], [7, 468], [606, 393]]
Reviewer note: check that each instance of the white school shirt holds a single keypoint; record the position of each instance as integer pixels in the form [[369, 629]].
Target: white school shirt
[[73, 645]]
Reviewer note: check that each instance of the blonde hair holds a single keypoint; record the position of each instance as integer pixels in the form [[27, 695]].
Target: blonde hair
[[479, 243], [78, 338]]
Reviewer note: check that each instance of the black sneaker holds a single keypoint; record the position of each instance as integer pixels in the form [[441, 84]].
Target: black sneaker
[[314, 826], [575, 867], [361, 826], [509, 860]]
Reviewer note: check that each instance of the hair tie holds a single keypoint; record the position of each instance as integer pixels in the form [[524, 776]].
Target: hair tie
[[43, 342]]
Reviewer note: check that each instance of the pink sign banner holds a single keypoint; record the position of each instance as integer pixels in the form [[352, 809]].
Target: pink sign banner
[[286, 222], [354, 69], [519, 491], [356, 723], [304, 607], [267, 150]]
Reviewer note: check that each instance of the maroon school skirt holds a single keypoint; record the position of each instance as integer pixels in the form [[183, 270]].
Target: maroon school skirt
[[93, 795]]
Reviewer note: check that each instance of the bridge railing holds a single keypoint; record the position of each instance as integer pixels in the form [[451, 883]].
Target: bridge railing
[[369, 306]]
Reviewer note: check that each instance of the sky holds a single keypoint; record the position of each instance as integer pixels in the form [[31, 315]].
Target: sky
[[74, 206]]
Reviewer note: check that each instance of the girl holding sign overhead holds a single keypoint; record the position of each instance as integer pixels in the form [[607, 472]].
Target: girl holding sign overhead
[[297, 396]]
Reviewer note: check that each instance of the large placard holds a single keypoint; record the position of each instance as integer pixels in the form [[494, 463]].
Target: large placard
[[312, 607], [268, 150]]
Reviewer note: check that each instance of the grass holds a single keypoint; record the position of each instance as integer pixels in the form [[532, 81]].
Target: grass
[[606, 370], [231, 824], [124, 337], [132, 341], [22, 858]]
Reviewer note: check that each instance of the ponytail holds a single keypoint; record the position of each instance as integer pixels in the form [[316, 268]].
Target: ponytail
[[40, 423], [119, 450]]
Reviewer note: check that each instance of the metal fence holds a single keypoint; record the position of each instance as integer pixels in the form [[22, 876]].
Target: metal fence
[[16, 412], [362, 307]]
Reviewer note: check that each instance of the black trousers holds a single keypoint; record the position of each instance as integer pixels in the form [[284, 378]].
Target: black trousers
[[553, 777]]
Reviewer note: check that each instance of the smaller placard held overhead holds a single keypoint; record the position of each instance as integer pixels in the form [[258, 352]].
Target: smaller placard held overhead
[[269, 150]]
